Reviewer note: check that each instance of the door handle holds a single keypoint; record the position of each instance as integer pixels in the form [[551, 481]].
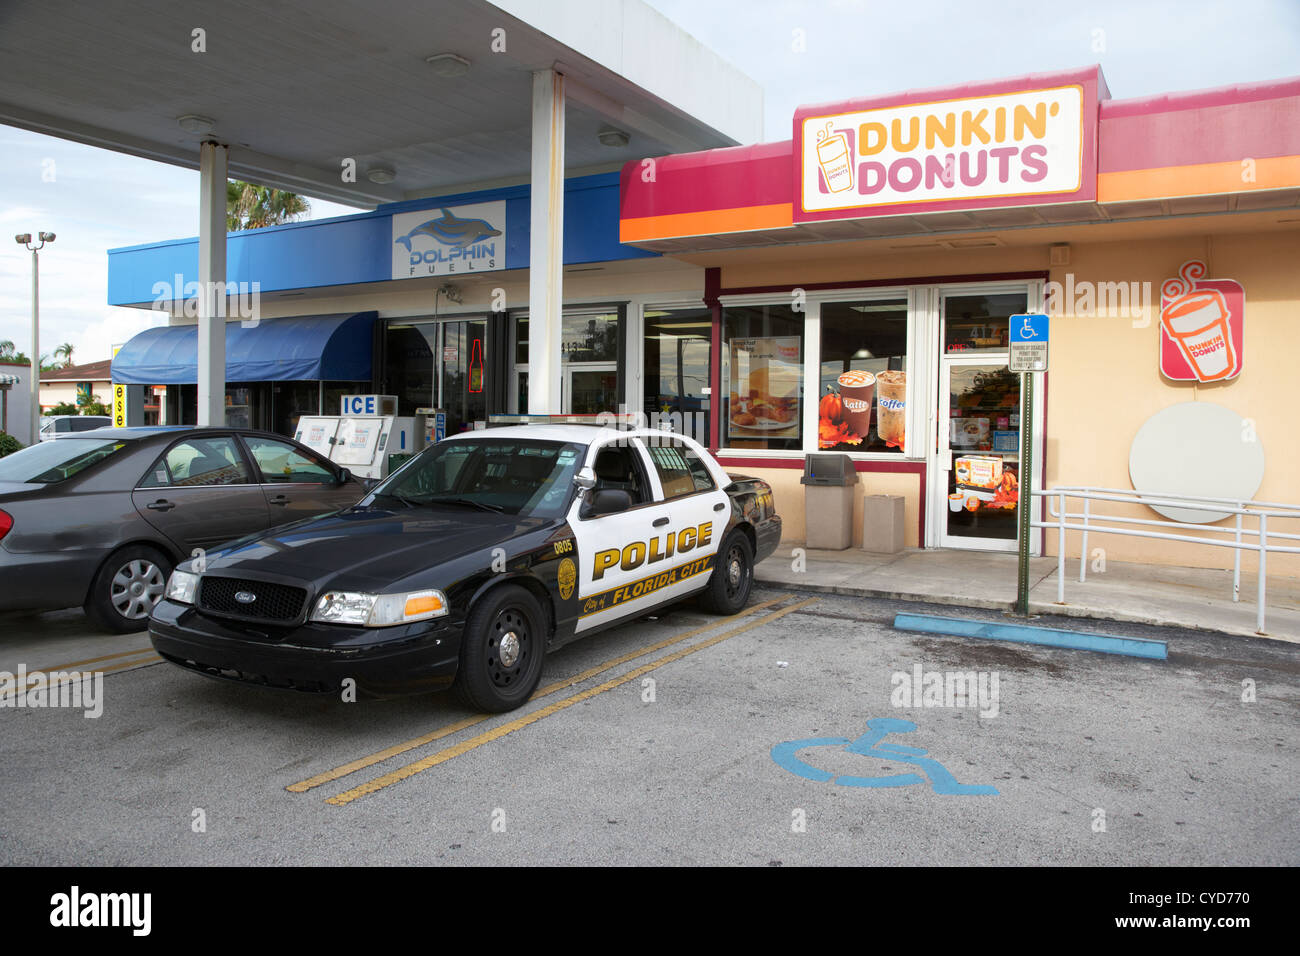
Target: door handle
[[280, 500], [660, 522], [719, 506], [162, 504]]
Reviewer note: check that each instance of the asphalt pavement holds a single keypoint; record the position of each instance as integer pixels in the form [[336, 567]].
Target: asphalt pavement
[[661, 742]]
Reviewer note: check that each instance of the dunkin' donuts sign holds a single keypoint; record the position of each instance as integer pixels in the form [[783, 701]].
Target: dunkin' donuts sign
[[1202, 326], [1008, 146]]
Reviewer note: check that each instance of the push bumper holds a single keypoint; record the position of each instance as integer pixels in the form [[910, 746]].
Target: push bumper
[[315, 658]]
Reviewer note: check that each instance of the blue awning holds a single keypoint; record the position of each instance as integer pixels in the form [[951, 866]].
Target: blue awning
[[301, 348]]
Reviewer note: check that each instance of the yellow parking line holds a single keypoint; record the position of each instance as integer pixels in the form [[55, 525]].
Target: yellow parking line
[[361, 763], [10, 687], [388, 779], [91, 660]]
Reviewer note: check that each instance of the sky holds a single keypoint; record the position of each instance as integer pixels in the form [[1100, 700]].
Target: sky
[[799, 51]]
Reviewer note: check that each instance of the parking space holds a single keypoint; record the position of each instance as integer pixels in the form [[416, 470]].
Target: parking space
[[684, 738]]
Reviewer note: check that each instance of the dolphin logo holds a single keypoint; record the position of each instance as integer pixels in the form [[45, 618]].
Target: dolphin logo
[[451, 231]]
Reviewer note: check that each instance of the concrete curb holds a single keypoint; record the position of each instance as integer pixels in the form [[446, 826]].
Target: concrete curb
[[1035, 607]]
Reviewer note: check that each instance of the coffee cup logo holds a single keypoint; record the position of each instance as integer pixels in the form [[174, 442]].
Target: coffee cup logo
[[1201, 326], [835, 159]]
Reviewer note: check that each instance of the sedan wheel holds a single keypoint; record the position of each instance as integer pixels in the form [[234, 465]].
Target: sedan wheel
[[127, 587], [502, 650]]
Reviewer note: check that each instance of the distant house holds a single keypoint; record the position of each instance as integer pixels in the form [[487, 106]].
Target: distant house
[[66, 384], [15, 415]]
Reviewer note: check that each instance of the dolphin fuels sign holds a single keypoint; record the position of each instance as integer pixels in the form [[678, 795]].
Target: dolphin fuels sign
[[449, 240]]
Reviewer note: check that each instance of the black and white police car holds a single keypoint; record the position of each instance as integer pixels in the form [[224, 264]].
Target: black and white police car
[[469, 562]]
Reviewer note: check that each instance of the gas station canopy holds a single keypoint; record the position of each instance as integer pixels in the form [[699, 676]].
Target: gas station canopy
[[298, 87]]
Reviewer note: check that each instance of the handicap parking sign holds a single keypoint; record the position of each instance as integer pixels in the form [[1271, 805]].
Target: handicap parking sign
[[1028, 343]]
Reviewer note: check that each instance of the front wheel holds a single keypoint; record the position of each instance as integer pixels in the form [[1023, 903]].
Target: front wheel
[[126, 588], [502, 650], [732, 578]]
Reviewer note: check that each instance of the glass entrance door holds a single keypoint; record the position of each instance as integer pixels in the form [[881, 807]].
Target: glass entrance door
[[976, 483], [979, 457], [462, 373]]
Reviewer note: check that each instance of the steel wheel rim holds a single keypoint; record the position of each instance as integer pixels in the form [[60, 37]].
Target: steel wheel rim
[[735, 571], [509, 647], [136, 588]]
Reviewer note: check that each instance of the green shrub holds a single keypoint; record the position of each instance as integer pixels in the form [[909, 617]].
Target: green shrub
[[9, 444], [64, 408]]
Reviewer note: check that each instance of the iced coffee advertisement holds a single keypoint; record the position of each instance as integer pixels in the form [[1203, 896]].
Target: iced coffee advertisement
[[766, 374], [1201, 326], [862, 409]]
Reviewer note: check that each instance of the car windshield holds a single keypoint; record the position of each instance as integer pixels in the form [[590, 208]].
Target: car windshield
[[52, 461], [510, 476]]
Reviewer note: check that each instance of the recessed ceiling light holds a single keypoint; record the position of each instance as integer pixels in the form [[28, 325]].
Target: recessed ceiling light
[[612, 137], [448, 64], [381, 174], [193, 123]]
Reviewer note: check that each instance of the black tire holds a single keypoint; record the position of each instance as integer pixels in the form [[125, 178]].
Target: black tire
[[732, 579], [487, 678], [126, 588]]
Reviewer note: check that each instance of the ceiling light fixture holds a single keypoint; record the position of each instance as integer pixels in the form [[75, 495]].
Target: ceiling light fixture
[[609, 136], [448, 65], [382, 175], [193, 123]]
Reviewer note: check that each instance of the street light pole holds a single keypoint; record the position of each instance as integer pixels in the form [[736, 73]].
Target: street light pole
[[25, 239]]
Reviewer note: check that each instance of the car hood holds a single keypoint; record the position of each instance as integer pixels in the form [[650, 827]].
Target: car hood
[[369, 548]]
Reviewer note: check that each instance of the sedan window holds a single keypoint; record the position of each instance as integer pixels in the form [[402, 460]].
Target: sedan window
[[52, 461], [281, 462], [199, 462]]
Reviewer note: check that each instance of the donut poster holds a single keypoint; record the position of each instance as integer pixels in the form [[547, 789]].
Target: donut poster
[[1202, 326], [766, 375]]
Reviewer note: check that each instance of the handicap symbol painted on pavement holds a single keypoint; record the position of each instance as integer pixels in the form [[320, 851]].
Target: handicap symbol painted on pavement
[[869, 745]]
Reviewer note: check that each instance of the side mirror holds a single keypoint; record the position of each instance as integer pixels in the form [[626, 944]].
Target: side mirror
[[607, 501], [344, 476], [585, 479]]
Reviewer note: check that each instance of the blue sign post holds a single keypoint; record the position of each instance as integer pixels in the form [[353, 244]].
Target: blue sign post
[[1028, 340]]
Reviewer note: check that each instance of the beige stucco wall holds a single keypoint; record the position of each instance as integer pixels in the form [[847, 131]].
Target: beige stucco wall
[[1105, 381], [788, 493]]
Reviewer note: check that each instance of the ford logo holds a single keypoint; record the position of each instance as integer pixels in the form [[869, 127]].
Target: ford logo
[[245, 597]]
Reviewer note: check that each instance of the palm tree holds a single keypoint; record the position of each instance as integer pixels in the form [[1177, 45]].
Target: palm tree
[[9, 353], [64, 350], [255, 207]]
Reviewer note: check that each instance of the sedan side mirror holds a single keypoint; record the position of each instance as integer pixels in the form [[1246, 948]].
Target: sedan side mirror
[[344, 476], [607, 501], [585, 479]]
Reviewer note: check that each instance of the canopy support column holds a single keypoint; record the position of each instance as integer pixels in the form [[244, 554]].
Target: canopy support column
[[212, 284], [546, 245]]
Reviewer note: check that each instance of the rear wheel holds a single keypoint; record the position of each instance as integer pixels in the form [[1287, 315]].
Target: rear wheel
[[126, 588], [733, 576], [502, 650]]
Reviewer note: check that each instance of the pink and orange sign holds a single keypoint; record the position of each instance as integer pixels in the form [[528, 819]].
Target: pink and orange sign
[[986, 145], [1202, 326]]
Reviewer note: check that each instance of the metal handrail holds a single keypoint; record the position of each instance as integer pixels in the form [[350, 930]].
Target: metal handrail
[[1240, 507]]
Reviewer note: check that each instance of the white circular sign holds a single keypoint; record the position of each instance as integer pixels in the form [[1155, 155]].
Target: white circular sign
[[1196, 448]]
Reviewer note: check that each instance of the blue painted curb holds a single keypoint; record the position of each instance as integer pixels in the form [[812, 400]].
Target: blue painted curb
[[1029, 634]]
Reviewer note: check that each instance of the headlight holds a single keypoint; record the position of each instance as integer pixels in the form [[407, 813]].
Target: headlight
[[181, 587], [378, 610]]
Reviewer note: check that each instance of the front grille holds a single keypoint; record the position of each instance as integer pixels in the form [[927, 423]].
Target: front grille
[[274, 602]]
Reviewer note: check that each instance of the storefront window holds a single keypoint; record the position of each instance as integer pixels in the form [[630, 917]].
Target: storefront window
[[862, 396], [677, 354], [763, 368], [589, 375], [978, 323]]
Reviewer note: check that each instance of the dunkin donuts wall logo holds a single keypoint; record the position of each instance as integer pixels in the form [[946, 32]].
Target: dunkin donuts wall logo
[[1202, 326]]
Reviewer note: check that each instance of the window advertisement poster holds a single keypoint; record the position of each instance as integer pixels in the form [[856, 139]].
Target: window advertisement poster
[[766, 375]]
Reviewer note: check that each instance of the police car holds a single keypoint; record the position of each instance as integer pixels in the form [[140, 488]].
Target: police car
[[470, 562]]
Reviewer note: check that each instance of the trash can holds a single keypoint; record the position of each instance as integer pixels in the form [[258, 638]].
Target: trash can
[[828, 482], [882, 523]]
